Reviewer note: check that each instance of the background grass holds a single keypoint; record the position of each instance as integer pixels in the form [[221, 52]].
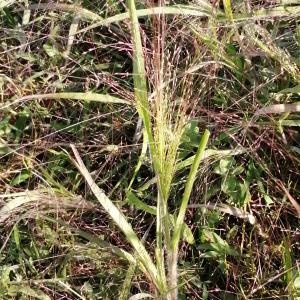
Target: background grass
[[208, 64]]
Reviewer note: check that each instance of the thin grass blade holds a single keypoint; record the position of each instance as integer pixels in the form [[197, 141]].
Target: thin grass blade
[[188, 188], [118, 218], [228, 10], [278, 109], [160, 10], [179, 224], [81, 12], [72, 33], [194, 11], [70, 96]]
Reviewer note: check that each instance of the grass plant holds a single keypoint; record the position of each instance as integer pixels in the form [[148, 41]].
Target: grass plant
[[149, 149]]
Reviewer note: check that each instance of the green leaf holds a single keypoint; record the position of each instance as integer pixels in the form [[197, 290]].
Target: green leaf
[[4, 149], [189, 139], [229, 184], [262, 190], [5, 276], [268, 199], [134, 200], [51, 50], [212, 241], [16, 235], [238, 170], [291, 123], [188, 189], [297, 283], [205, 10], [226, 154], [191, 134], [224, 166], [187, 234], [22, 119], [210, 254], [81, 12], [293, 90], [253, 172], [245, 196], [23, 176], [184, 10]]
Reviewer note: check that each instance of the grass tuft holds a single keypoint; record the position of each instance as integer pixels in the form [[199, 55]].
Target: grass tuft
[[149, 208]]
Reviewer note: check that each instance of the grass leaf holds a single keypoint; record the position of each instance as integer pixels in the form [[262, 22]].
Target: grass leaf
[[6, 3], [103, 98], [118, 218], [160, 10], [81, 12], [188, 188], [194, 11], [228, 10], [23, 176], [179, 224], [278, 109], [134, 200]]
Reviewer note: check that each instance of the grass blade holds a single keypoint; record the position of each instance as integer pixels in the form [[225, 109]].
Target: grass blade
[[81, 12], [72, 33], [160, 10], [292, 123], [209, 153], [139, 76], [277, 11], [71, 96], [278, 109], [140, 161], [130, 272], [192, 11], [180, 218], [262, 38], [228, 10], [127, 282], [188, 188], [134, 200], [293, 90], [118, 218]]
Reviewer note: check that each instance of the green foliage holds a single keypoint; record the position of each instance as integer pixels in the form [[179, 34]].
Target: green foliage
[[214, 247]]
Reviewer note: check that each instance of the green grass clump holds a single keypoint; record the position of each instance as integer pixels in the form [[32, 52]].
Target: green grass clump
[[149, 150]]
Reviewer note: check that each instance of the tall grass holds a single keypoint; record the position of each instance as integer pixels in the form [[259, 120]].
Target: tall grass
[[164, 137], [223, 73]]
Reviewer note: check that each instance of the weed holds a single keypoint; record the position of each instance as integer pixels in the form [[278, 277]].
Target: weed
[[149, 150]]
